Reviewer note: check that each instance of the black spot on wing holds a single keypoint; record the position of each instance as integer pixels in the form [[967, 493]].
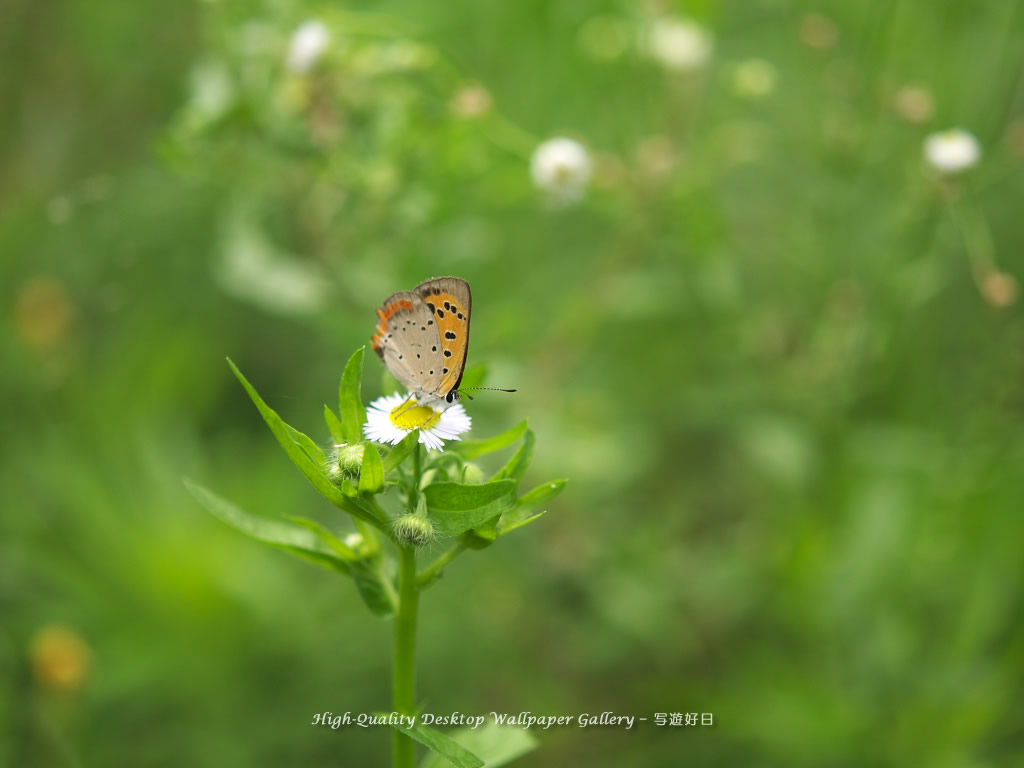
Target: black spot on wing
[[450, 335]]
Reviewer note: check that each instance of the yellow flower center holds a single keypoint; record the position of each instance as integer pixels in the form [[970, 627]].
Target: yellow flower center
[[411, 416]]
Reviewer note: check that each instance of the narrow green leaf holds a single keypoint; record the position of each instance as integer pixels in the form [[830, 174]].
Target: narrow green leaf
[[520, 461], [334, 425], [350, 398], [307, 444], [515, 522], [276, 533], [400, 452], [541, 495], [455, 508], [371, 472], [322, 532], [313, 471], [495, 744], [525, 511], [374, 586], [440, 744], [470, 449]]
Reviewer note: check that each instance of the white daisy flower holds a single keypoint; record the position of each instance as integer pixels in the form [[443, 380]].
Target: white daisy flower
[[952, 151], [390, 418], [679, 44], [309, 41], [561, 167]]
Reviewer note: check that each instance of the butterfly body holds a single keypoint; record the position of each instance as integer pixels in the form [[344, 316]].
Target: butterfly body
[[422, 337]]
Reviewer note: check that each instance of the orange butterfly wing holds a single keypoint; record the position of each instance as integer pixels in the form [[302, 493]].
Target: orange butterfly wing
[[451, 302]]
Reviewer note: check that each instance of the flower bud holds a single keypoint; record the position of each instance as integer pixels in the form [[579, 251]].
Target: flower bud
[[472, 474], [349, 459], [414, 530]]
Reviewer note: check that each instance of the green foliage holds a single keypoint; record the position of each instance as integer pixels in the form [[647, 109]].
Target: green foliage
[[299, 448], [312, 542], [476, 512], [274, 532], [350, 400], [452, 752], [471, 449], [775, 350], [495, 745], [334, 425], [457, 507], [480, 511], [371, 475]]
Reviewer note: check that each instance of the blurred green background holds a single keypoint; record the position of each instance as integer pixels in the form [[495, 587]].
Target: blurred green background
[[779, 356]]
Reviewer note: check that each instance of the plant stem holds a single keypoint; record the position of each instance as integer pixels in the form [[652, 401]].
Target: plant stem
[[414, 486], [430, 573], [404, 686], [403, 689]]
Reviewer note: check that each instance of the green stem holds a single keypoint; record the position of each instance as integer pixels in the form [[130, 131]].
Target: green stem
[[414, 486], [431, 572], [403, 689]]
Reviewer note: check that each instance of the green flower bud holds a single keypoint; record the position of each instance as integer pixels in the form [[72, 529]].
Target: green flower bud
[[472, 474], [414, 530], [348, 461]]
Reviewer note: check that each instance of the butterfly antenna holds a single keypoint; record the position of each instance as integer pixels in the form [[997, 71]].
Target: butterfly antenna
[[492, 389]]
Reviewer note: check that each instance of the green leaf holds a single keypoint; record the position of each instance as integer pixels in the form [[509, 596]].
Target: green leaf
[[400, 452], [525, 511], [350, 399], [375, 588], [334, 425], [313, 471], [541, 495], [306, 443], [520, 461], [470, 449], [442, 745], [455, 508], [371, 472], [495, 744], [276, 533], [330, 540]]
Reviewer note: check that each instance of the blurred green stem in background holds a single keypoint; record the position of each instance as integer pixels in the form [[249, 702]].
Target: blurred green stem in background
[[403, 692]]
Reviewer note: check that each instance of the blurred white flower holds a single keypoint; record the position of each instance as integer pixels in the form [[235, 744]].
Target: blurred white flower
[[309, 41], [754, 78], [679, 44], [561, 167], [952, 151]]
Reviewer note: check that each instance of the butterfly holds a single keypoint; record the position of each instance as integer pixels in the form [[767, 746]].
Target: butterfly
[[423, 338]]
